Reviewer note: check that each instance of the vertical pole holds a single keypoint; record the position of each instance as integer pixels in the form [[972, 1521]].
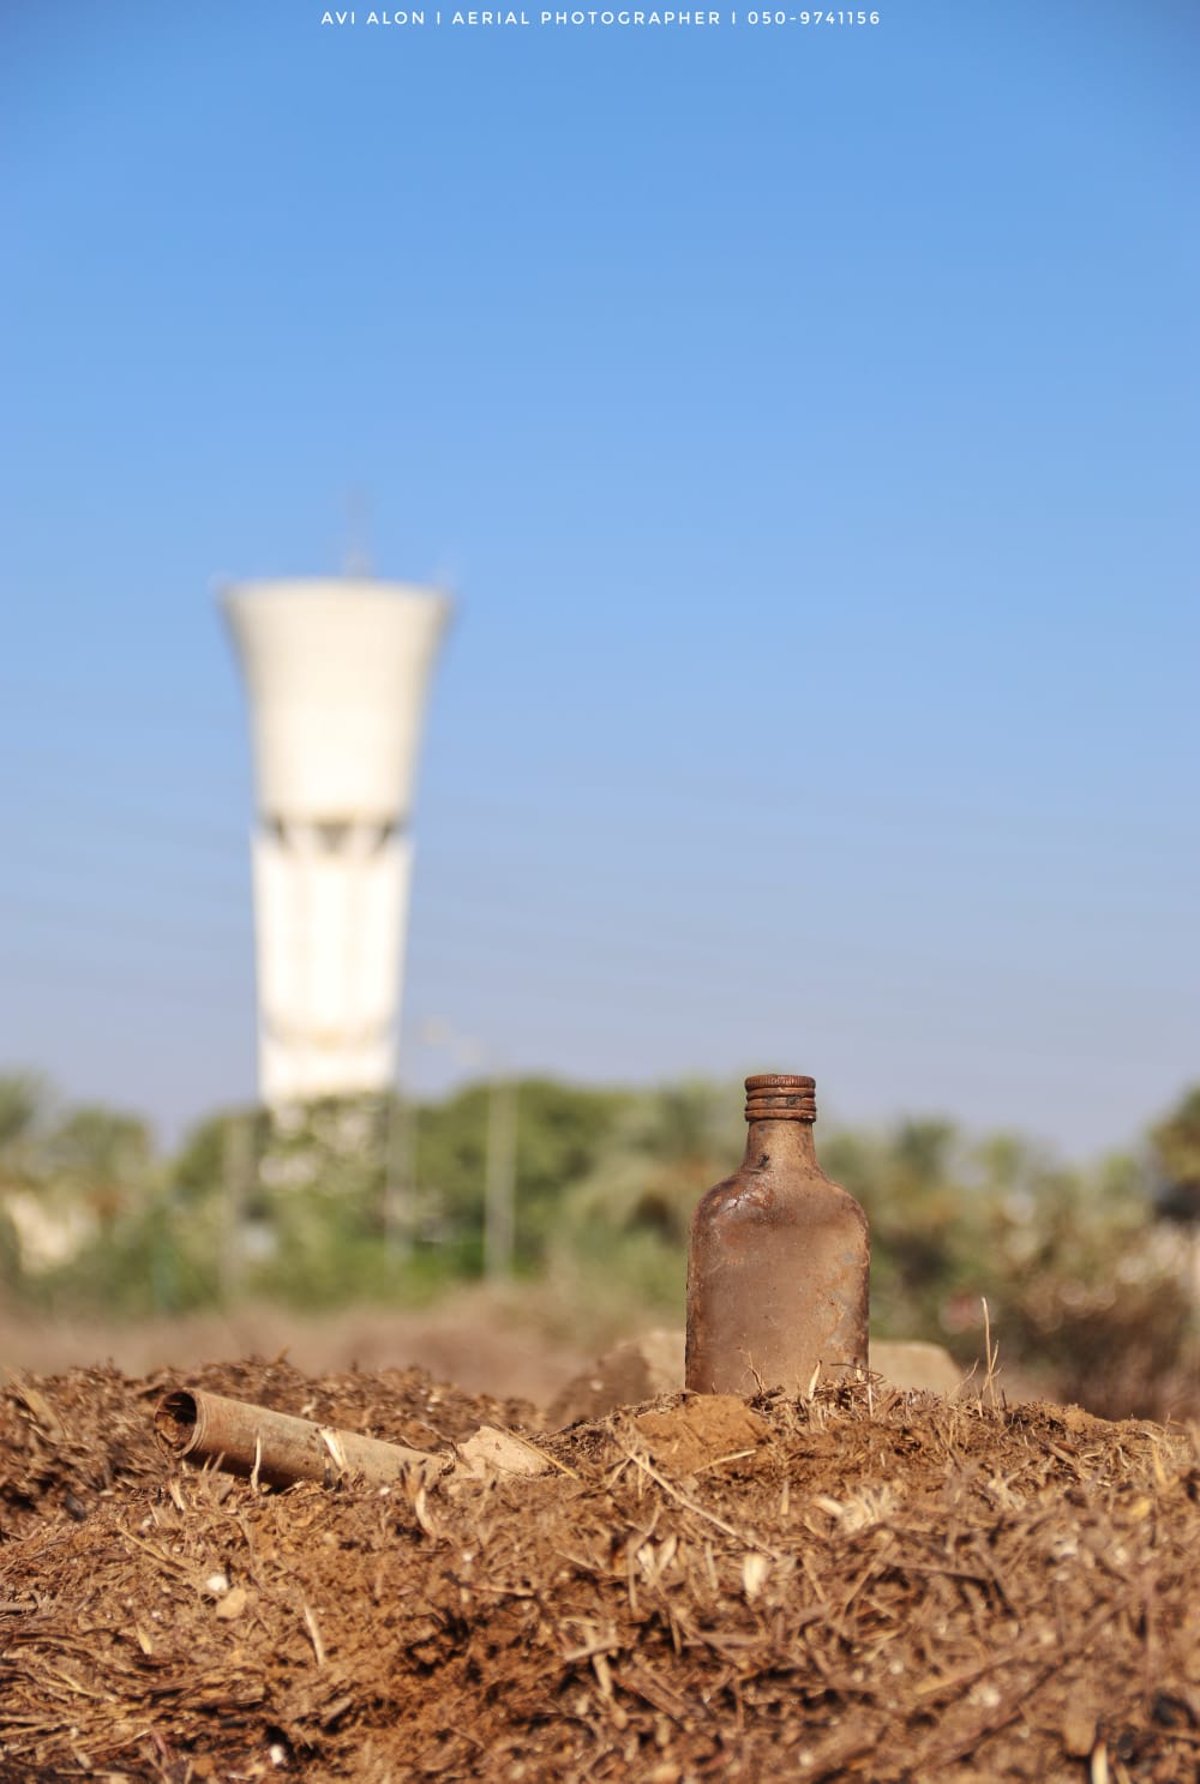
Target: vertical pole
[[500, 1186], [237, 1162], [398, 1178]]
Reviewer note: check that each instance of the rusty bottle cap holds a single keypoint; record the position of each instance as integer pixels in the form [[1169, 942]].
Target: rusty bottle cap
[[781, 1096]]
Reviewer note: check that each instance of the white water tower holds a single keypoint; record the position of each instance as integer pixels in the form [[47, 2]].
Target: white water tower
[[336, 672]]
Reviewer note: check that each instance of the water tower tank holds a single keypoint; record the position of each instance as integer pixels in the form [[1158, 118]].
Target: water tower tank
[[336, 673]]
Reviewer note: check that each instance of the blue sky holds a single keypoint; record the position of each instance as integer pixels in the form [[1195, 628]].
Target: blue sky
[[807, 421]]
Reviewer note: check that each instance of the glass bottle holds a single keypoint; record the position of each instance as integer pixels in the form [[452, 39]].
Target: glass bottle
[[779, 1259]]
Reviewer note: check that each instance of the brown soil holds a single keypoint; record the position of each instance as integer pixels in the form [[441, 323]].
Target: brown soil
[[522, 1341], [870, 1586]]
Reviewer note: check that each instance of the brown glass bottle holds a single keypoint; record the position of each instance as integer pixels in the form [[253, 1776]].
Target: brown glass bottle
[[779, 1260]]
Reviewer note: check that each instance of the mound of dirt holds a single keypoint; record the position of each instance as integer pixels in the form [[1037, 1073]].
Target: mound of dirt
[[869, 1585]]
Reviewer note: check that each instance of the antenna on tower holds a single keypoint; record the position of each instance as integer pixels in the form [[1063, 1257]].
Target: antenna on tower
[[357, 561]]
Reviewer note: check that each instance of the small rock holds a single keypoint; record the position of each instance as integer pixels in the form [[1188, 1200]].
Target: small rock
[[492, 1451], [1078, 1730], [910, 1363], [638, 1370]]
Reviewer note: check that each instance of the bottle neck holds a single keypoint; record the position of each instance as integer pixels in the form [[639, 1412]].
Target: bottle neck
[[783, 1143]]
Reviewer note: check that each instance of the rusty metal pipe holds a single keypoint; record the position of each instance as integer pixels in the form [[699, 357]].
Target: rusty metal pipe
[[275, 1447]]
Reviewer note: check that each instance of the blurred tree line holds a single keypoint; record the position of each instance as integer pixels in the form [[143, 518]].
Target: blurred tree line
[[1091, 1275]]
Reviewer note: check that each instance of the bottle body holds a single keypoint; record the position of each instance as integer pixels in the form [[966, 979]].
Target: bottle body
[[779, 1260]]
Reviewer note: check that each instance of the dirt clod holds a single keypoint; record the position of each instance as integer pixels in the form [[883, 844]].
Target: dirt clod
[[702, 1430]]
